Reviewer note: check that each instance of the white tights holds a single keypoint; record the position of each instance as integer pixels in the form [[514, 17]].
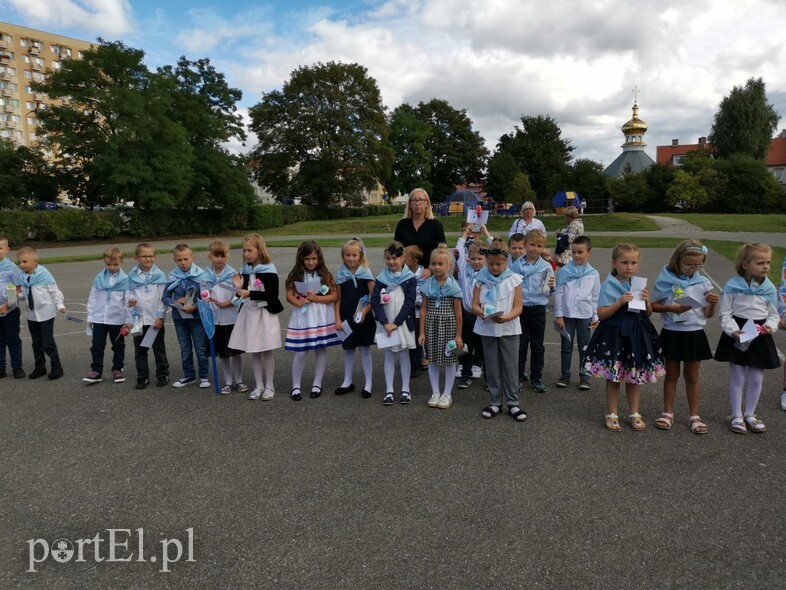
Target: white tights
[[258, 359], [365, 362], [450, 377], [390, 369], [299, 365], [232, 367], [739, 375]]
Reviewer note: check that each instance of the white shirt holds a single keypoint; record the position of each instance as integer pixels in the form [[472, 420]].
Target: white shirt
[[148, 301], [462, 263], [107, 307], [48, 299], [578, 298], [224, 316], [505, 295], [754, 307], [693, 319], [522, 227]]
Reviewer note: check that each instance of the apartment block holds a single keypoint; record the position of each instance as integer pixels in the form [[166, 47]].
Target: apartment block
[[27, 56]]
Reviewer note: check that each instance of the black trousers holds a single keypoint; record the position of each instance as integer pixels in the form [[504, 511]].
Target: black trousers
[[474, 344], [533, 329], [159, 355], [118, 342], [9, 338], [43, 336]]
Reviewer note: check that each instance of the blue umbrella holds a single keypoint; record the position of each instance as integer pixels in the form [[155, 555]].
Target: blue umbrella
[[209, 324]]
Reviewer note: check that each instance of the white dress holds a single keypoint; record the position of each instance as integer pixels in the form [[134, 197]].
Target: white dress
[[256, 329], [312, 327], [406, 336]]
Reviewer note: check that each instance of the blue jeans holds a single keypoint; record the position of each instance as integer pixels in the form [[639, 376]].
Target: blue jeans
[[579, 330], [190, 337]]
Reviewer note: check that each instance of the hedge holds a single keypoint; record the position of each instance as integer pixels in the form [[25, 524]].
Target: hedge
[[65, 225]]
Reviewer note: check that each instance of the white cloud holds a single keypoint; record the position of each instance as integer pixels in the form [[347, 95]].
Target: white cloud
[[98, 17]]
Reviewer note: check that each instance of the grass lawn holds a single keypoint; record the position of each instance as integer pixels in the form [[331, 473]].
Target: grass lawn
[[386, 224], [775, 222]]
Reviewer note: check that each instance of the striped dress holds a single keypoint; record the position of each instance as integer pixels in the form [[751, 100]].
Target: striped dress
[[312, 327]]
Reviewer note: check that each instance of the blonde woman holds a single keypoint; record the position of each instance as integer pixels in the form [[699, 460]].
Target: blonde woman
[[419, 227], [527, 221]]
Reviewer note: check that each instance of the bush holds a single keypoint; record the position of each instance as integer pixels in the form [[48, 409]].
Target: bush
[[17, 226]]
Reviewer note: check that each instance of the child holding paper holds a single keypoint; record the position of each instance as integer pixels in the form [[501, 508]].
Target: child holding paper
[[748, 297], [782, 323], [355, 286], [312, 291], [392, 301], [625, 347], [683, 339]]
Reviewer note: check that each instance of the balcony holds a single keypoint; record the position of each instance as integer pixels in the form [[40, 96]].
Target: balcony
[[8, 124], [6, 92], [34, 50], [35, 66], [3, 44], [5, 76], [8, 108], [5, 58]]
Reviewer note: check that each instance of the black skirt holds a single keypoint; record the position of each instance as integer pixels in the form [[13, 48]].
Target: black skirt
[[761, 352], [221, 342], [685, 346]]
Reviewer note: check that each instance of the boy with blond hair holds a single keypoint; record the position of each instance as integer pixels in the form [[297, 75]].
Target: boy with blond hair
[[44, 299]]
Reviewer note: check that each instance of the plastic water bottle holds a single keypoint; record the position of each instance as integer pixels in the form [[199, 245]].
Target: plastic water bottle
[[450, 347], [324, 289], [10, 295], [489, 309]]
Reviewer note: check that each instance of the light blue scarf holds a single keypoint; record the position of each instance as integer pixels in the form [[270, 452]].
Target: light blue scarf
[[40, 276], [611, 290], [178, 276], [155, 276], [484, 277], [572, 271], [432, 289], [101, 282], [392, 280], [344, 275], [6, 265], [667, 280], [211, 279], [259, 269], [738, 286], [529, 270]]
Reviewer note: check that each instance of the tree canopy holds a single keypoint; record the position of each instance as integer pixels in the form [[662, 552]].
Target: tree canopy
[[323, 136], [745, 122]]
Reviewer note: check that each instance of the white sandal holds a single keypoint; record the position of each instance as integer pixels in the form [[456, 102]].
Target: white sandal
[[754, 424], [737, 425]]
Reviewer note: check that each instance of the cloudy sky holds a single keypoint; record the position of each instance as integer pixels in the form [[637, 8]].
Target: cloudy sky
[[576, 60]]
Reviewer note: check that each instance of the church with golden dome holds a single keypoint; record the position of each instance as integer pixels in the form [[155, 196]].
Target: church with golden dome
[[633, 158]]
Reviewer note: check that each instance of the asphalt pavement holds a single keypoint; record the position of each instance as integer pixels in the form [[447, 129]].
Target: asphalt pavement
[[342, 492]]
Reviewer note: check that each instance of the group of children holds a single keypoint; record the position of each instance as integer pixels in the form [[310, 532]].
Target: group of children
[[491, 306]]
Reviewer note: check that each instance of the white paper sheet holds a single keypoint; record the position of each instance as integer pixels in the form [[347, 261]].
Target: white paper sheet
[[70, 318], [563, 332], [473, 217], [150, 337], [749, 331], [345, 332], [637, 285], [304, 288], [694, 297], [384, 341], [183, 314]]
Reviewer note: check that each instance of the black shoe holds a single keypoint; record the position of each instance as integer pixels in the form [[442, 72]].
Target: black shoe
[[538, 385], [342, 390], [19, 373], [141, 384], [296, 395], [55, 374], [415, 372], [316, 391], [162, 381], [365, 394], [37, 372], [2, 374]]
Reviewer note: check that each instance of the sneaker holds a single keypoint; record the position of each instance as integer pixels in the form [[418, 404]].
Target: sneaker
[[226, 390], [433, 400], [184, 381], [445, 401], [537, 385], [19, 373], [562, 381], [204, 384], [584, 384], [463, 383], [117, 376], [783, 401], [477, 372], [91, 377], [54, 374], [142, 383], [241, 387], [524, 376], [388, 399], [405, 398], [256, 393], [162, 381], [268, 394]]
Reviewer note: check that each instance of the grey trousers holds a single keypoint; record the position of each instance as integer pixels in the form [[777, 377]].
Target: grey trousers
[[501, 355]]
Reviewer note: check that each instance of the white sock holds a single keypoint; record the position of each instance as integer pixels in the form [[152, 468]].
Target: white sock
[[433, 377], [450, 377], [368, 369], [320, 366], [736, 382], [298, 366], [349, 365], [406, 369], [256, 366], [226, 369], [237, 368], [390, 370], [753, 391], [270, 369]]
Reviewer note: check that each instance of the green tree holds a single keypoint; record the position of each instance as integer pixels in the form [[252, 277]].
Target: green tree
[[206, 107], [685, 192], [111, 137], [630, 192], [586, 177], [323, 136], [747, 186], [521, 189], [539, 150], [745, 122], [25, 176], [409, 136], [499, 178], [456, 154]]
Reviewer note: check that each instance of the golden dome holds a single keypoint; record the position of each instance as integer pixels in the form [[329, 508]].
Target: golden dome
[[635, 126]]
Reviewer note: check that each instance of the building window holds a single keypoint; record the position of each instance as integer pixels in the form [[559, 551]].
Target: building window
[[55, 65], [38, 76], [31, 120], [56, 49], [30, 105], [29, 89], [67, 52], [26, 59], [677, 160], [24, 42], [28, 74], [778, 173]]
